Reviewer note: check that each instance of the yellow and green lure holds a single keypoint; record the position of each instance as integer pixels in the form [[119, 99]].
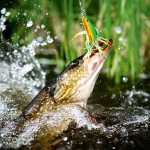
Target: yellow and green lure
[[91, 32], [91, 35]]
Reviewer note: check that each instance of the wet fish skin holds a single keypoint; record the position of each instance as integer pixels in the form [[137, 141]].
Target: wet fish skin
[[72, 87]]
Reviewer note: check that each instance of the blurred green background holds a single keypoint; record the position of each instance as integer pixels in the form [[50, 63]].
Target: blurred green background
[[127, 22]]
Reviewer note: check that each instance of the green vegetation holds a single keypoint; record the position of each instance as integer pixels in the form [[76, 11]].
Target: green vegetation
[[125, 21]]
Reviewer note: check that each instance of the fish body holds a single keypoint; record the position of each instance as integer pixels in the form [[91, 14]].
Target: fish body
[[73, 86]]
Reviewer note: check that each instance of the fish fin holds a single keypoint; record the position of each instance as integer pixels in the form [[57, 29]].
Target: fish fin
[[51, 92], [90, 115]]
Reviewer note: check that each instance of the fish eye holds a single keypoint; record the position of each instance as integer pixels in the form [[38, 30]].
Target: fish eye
[[74, 64]]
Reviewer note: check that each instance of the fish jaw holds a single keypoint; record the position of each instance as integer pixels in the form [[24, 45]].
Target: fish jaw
[[86, 85], [96, 61]]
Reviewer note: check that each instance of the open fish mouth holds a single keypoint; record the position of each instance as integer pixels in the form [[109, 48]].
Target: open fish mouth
[[96, 58], [85, 85], [101, 43]]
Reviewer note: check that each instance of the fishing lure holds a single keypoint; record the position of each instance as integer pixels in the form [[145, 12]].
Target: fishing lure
[[91, 36]]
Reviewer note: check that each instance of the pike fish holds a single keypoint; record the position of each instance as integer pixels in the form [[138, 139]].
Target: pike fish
[[73, 86]]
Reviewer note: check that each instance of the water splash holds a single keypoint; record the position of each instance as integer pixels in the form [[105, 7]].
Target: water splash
[[2, 23], [56, 122], [21, 77], [29, 23], [137, 98], [4, 15]]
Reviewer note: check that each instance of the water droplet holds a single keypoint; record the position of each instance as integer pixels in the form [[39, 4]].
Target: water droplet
[[124, 79], [99, 142], [55, 37], [40, 39], [49, 39], [132, 142], [123, 129], [38, 27], [7, 14], [1, 145], [29, 23], [120, 39], [65, 138], [146, 125], [42, 26], [25, 14], [3, 11], [118, 30], [146, 100], [113, 96], [2, 23]]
